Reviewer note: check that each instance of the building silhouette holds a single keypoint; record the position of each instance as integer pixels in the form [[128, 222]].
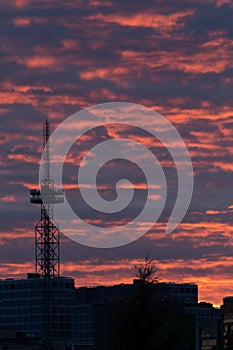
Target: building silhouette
[[22, 303], [207, 324], [227, 324], [87, 318]]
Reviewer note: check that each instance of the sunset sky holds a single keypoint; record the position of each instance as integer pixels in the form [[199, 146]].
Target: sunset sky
[[172, 56]]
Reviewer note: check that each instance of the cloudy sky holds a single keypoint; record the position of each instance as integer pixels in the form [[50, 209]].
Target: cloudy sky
[[174, 57]]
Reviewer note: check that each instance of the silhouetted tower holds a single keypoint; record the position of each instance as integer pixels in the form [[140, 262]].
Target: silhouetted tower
[[46, 231], [47, 234]]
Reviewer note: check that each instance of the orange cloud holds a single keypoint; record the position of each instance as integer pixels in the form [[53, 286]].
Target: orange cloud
[[8, 199], [27, 21], [204, 60], [38, 62], [70, 43], [114, 74], [152, 20], [23, 158], [22, 21], [212, 287]]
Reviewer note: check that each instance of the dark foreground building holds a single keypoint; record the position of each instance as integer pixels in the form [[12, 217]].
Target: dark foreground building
[[227, 323], [164, 316], [170, 317], [207, 325], [12, 340], [136, 316], [22, 303]]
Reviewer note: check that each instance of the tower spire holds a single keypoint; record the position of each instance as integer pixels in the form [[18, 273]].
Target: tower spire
[[46, 145]]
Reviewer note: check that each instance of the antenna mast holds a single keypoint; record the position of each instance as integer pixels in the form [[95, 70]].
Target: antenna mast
[[47, 233]]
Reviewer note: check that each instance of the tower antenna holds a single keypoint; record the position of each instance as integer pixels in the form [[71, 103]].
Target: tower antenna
[[47, 233]]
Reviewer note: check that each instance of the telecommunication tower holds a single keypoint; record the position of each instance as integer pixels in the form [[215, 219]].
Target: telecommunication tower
[[47, 233]]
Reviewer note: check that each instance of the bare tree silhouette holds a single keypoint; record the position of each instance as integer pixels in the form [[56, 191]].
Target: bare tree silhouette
[[146, 271]]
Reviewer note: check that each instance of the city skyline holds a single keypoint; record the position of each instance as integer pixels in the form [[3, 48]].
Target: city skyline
[[173, 57]]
